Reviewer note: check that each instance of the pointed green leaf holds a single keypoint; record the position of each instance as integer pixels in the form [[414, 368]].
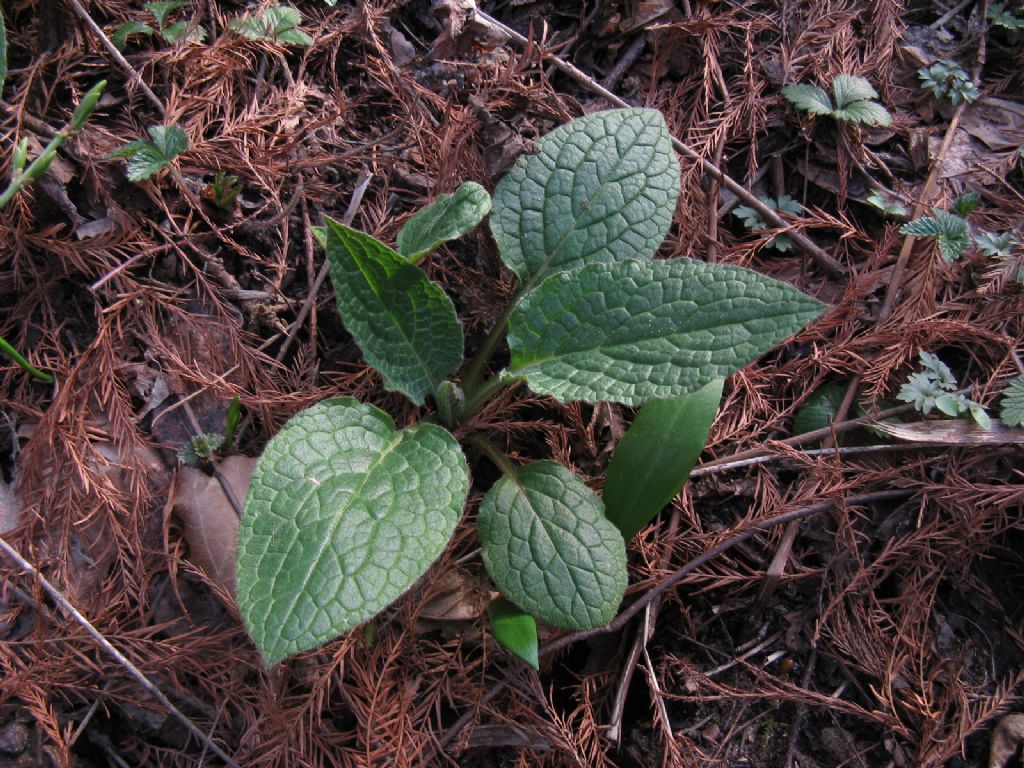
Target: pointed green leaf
[[447, 218], [809, 98], [926, 226], [343, 515], [279, 23], [184, 30], [638, 330], [864, 112], [601, 188], [819, 409], [653, 459], [405, 324], [1011, 411], [163, 8], [550, 549], [850, 88], [515, 629], [148, 156]]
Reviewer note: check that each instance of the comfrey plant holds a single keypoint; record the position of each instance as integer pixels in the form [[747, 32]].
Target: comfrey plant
[[345, 512]]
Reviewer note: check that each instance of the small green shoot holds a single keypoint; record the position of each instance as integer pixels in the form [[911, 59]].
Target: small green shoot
[[21, 176], [147, 157], [277, 24], [854, 101], [947, 80], [886, 206], [175, 32], [26, 366], [1011, 409], [223, 190], [231, 423], [935, 387], [515, 629], [200, 448], [753, 220]]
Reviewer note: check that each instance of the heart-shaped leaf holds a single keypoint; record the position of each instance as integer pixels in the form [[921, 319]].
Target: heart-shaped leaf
[[343, 515], [653, 459], [636, 330], [404, 323], [601, 188], [515, 629], [447, 218], [549, 547]]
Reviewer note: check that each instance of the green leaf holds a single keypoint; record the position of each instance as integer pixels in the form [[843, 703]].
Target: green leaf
[[161, 10], [279, 24], [638, 330], [966, 204], [129, 29], [515, 629], [819, 409], [750, 217], [447, 218], [653, 459], [550, 549], [950, 231], [405, 324], [343, 515], [1011, 409], [785, 204], [865, 112], [183, 30], [601, 188], [148, 156], [809, 98], [886, 206], [848, 89]]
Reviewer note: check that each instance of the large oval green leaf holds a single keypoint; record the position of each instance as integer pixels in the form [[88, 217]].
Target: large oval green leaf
[[653, 459], [550, 549], [404, 323], [636, 330], [601, 188], [343, 514], [447, 218]]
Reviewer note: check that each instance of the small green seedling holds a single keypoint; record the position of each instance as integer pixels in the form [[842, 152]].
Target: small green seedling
[[22, 176], [25, 365], [949, 229], [199, 448], [947, 80], [753, 220], [996, 246], [277, 24], [147, 157], [887, 206], [223, 190], [854, 101], [935, 387], [174, 32], [999, 15], [1011, 411], [346, 511]]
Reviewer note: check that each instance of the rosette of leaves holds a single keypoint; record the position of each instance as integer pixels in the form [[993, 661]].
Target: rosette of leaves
[[753, 220], [276, 24], [935, 387], [947, 80], [346, 511], [852, 101], [949, 229]]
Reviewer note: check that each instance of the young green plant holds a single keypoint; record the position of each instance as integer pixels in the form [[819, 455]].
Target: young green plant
[[346, 511]]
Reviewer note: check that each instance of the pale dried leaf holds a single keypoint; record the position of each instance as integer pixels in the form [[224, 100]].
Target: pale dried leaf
[[1006, 737], [210, 520], [952, 432]]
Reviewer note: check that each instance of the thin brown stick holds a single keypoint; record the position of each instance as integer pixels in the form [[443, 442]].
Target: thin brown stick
[[115, 54], [822, 259], [70, 610]]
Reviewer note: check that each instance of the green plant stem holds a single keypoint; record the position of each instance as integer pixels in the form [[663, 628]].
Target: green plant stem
[[495, 454], [483, 393], [17, 357], [474, 373]]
